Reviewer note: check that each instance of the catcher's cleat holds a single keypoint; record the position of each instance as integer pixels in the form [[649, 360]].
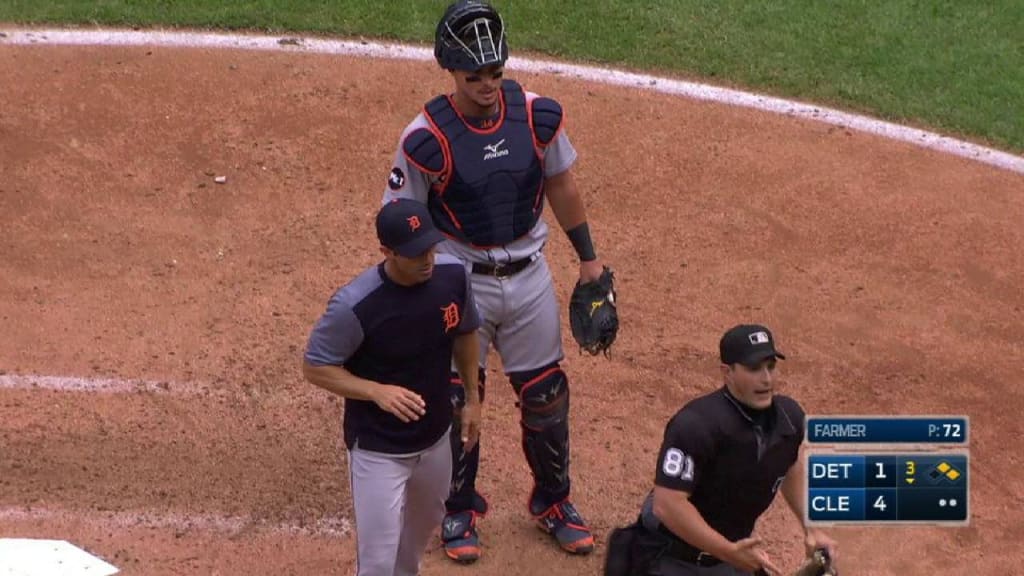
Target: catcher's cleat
[[458, 532], [565, 524]]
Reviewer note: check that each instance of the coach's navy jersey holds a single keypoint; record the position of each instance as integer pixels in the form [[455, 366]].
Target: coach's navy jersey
[[399, 335], [731, 464]]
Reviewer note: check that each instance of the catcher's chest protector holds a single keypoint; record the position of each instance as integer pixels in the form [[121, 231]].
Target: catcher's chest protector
[[493, 191]]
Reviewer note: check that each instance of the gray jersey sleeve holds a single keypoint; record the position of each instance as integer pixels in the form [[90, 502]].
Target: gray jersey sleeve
[[560, 154], [337, 335], [405, 180]]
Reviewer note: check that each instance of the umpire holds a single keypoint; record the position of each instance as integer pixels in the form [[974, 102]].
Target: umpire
[[723, 458]]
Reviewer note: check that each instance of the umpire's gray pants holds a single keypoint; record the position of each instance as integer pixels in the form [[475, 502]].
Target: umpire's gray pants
[[399, 502], [672, 567]]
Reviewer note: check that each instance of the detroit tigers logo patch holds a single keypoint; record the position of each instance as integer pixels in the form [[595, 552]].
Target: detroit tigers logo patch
[[450, 316], [396, 179]]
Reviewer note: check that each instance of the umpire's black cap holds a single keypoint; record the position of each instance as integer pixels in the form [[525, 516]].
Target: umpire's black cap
[[405, 226], [748, 344]]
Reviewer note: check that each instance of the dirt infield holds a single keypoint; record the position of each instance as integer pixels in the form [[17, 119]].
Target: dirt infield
[[891, 275]]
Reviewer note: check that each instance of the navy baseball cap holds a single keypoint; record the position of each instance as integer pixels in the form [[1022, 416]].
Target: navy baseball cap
[[405, 226], [748, 344]]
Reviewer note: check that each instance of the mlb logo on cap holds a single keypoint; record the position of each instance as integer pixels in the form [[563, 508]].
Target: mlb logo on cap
[[759, 337], [748, 344]]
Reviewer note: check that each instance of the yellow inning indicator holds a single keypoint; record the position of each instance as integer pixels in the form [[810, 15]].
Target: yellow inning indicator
[[911, 471]]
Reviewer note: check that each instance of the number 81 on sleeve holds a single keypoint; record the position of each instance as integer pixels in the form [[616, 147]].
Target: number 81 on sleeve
[[676, 464]]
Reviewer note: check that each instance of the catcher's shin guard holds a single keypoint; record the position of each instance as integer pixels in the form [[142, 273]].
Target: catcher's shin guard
[[544, 404], [462, 495]]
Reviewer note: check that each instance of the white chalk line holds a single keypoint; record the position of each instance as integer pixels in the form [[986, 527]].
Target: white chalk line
[[921, 138], [96, 385], [327, 527], [332, 527]]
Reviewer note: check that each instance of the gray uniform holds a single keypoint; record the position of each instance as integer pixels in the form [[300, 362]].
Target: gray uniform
[[484, 182]]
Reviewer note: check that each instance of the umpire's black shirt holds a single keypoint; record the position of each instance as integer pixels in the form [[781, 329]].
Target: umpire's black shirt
[[399, 335], [730, 458]]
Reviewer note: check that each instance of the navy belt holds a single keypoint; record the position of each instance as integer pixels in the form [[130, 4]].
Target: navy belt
[[502, 270]]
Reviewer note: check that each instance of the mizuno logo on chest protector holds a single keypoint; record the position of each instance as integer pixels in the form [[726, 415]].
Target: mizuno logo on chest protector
[[495, 150]]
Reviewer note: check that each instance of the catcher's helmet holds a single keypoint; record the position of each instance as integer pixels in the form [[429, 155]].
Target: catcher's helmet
[[469, 36]]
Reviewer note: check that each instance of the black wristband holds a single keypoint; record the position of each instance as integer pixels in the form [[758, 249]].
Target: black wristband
[[580, 238]]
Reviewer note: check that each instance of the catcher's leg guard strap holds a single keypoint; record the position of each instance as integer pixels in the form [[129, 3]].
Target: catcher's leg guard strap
[[463, 494], [544, 404], [458, 393]]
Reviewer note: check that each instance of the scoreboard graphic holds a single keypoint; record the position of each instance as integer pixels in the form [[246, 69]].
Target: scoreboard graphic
[[888, 470]]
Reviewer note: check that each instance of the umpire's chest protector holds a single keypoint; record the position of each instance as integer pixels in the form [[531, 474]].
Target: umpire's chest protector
[[492, 190]]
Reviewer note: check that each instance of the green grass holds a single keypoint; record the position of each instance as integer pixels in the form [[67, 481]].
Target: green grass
[[954, 66]]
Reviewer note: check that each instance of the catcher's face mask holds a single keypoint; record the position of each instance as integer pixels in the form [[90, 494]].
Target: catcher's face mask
[[469, 37], [482, 40]]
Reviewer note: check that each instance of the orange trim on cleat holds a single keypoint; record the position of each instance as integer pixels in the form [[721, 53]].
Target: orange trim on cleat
[[564, 523], [463, 554], [458, 533]]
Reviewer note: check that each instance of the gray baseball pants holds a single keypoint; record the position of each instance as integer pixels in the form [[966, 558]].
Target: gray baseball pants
[[399, 502]]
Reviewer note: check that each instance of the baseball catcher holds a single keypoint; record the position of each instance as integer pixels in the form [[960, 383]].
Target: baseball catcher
[[486, 158]]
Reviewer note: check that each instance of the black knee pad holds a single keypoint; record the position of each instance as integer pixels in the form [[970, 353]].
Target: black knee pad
[[543, 396]]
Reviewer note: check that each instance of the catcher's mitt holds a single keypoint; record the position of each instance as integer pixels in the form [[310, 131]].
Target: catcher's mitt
[[592, 315]]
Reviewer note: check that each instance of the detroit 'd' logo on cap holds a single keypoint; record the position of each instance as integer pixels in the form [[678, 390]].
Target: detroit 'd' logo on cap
[[759, 338]]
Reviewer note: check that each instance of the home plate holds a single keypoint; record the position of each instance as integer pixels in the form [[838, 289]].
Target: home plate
[[25, 557]]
